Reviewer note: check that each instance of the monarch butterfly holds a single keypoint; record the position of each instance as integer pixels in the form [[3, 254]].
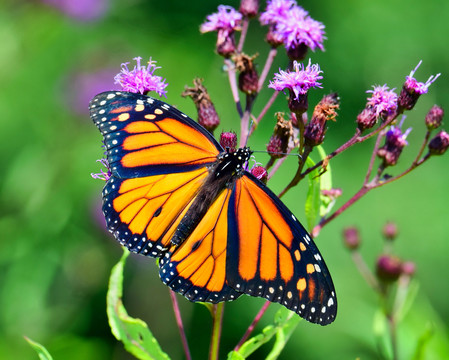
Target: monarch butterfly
[[176, 194]]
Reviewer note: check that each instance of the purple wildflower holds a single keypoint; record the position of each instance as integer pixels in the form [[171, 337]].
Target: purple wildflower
[[298, 28], [394, 143], [141, 79], [82, 10], [298, 81], [383, 101], [103, 175], [276, 11], [413, 89], [421, 88], [227, 18]]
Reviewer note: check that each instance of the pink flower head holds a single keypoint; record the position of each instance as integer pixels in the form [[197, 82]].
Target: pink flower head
[[298, 81], [413, 85], [141, 79], [276, 11], [227, 18], [383, 100], [298, 28]]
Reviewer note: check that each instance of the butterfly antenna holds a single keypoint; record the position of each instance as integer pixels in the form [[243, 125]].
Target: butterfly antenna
[[278, 153]]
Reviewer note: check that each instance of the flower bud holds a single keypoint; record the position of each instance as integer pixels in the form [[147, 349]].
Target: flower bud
[[439, 144], [207, 115], [248, 77], [351, 238], [390, 231], [249, 8], [261, 173], [298, 52], [434, 117], [394, 143], [367, 118], [273, 37], [279, 141], [408, 268], [225, 43], [229, 141], [388, 268], [324, 111]]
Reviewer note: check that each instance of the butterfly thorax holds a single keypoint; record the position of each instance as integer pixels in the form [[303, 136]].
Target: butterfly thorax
[[222, 175]]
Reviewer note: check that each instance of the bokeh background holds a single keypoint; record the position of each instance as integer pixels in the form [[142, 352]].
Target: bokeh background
[[55, 256]]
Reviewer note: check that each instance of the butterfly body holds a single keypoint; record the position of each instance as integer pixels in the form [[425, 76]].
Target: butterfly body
[[176, 194]]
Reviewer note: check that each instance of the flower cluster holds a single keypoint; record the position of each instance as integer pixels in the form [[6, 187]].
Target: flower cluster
[[141, 79]]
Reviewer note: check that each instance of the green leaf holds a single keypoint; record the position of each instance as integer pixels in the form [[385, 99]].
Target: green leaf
[[313, 202], [41, 351], [325, 184], [134, 333], [285, 321], [423, 340]]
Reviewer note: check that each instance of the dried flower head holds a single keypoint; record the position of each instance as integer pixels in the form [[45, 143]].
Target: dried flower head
[[141, 79], [413, 89], [279, 141], [207, 115], [324, 111], [248, 76]]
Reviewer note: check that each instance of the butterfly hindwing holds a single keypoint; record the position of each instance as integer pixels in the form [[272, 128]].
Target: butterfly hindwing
[[197, 268], [145, 136], [272, 256]]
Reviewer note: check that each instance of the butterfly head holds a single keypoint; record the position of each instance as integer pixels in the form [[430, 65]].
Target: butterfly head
[[233, 163]]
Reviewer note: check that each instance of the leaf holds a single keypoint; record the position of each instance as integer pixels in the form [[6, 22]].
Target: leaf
[[285, 321], [423, 340], [325, 184], [134, 333], [41, 350], [313, 201]]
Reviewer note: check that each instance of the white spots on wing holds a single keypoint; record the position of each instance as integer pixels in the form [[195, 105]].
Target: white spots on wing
[[102, 111], [103, 102], [317, 268], [111, 96], [330, 302], [317, 257]]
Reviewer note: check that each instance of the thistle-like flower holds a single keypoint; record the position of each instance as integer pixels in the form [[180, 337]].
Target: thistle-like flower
[[298, 82], [413, 89], [228, 140], [395, 141], [226, 21], [141, 79]]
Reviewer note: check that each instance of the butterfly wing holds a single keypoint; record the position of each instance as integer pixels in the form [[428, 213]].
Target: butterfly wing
[[271, 255], [158, 158], [197, 268]]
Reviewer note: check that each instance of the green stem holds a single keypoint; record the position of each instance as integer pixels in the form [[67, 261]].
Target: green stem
[[216, 331]]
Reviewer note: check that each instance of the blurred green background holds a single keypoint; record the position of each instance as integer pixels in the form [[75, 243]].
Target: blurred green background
[[55, 256]]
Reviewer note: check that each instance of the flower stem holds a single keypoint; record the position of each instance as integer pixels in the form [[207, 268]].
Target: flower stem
[[182, 333], [216, 331], [302, 160], [243, 33], [364, 270], [252, 325], [266, 68], [264, 111], [233, 83]]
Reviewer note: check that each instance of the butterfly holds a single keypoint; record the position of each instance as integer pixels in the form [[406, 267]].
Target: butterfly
[[176, 194]]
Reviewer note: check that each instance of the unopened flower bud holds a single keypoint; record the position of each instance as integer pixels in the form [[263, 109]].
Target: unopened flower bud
[[324, 111], [434, 117], [249, 8], [439, 144], [394, 143], [229, 141], [207, 115], [390, 231], [367, 118], [273, 37], [408, 268], [261, 173], [298, 52], [351, 238], [279, 141], [332, 194], [388, 268], [248, 77]]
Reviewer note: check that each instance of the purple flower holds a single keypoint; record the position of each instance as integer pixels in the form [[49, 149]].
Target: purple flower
[[298, 81], [419, 87], [394, 143], [298, 28], [103, 175], [382, 100], [227, 18], [276, 11], [83, 10], [396, 137], [141, 79]]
